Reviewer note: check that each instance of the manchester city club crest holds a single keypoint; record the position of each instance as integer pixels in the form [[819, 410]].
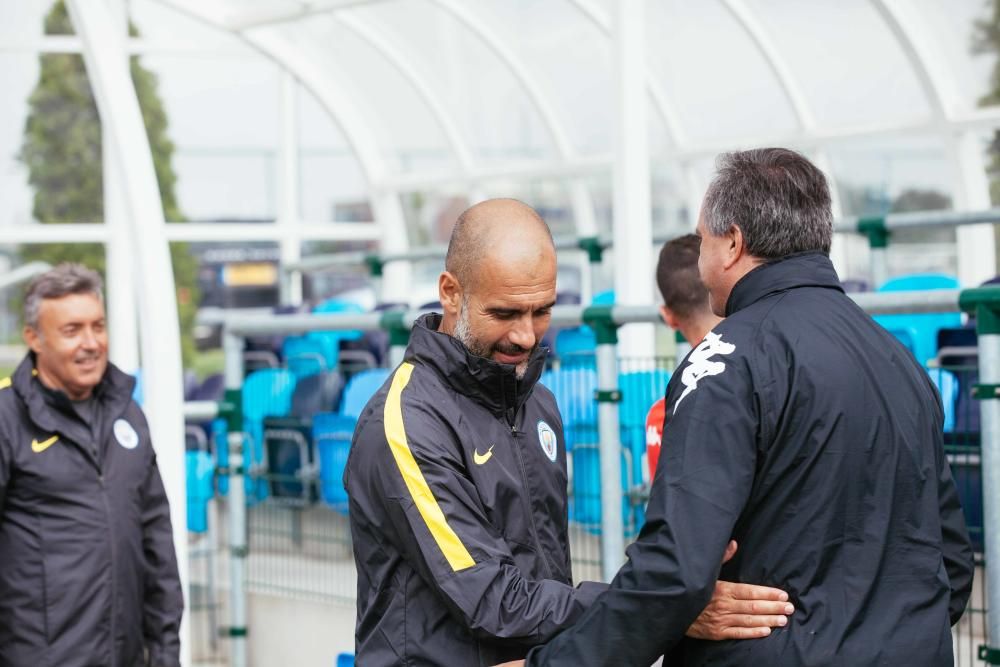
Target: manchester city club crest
[[125, 434], [547, 439]]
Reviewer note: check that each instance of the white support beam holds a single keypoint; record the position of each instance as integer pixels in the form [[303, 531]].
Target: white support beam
[[287, 177], [633, 224], [292, 11], [195, 232], [107, 68], [70, 44], [123, 322], [819, 138]]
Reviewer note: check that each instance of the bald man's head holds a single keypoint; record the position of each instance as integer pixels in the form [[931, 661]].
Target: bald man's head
[[499, 283], [491, 228]]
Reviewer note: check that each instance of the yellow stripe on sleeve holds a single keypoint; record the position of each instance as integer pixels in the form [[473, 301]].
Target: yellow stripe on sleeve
[[4, 383], [454, 551]]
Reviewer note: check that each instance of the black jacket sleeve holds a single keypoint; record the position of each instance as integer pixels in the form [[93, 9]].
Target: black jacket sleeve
[[163, 601], [955, 546], [702, 483], [443, 531]]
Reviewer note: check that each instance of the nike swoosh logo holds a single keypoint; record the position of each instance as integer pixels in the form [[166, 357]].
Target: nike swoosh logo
[[39, 447], [480, 459]]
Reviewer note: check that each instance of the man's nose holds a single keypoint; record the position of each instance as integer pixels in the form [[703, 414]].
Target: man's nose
[[523, 333], [89, 339]]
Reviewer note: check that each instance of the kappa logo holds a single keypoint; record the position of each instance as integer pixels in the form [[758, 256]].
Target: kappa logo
[[700, 364], [39, 447], [480, 459]]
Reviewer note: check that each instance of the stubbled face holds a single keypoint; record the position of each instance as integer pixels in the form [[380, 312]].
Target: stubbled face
[[507, 313], [70, 344], [711, 266]]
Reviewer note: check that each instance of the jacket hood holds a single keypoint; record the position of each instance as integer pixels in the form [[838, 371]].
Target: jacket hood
[[807, 269], [492, 384], [114, 389]]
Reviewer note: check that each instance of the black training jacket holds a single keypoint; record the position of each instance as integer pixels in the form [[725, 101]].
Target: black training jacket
[[807, 433], [88, 574], [457, 486]]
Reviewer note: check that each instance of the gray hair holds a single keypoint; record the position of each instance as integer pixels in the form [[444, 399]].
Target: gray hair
[[56, 283], [778, 199]]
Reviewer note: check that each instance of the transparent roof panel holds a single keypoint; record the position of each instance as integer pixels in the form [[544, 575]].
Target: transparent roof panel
[[714, 77], [493, 113], [846, 60], [570, 59], [398, 119]]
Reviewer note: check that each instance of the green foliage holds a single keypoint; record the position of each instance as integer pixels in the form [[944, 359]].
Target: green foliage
[[62, 150]]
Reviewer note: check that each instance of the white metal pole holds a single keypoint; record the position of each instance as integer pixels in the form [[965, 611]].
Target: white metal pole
[[612, 528], [289, 213], [104, 55], [989, 374], [633, 225], [120, 264], [233, 370]]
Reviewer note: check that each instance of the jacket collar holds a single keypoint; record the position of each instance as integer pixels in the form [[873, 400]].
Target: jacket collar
[[807, 269], [51, 410], [492, 384]]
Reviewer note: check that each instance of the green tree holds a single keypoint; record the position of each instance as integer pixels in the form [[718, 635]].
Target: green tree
[[986, 40], [62, 150]]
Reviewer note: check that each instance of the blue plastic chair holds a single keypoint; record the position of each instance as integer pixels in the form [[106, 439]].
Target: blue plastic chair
[[947, 385], [330, 340], [640, 389], [573, 389], [359, 390], [576, 346], [306, 356], [266, 393], [332, 434], [199, 471], [918, 331]]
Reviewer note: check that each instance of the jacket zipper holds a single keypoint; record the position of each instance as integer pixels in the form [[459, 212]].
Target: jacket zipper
[[516, 436], [111, 574]]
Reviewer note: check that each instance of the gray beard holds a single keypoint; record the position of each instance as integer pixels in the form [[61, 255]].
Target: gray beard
[[463, 333]]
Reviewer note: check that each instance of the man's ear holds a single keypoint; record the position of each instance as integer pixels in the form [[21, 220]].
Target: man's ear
[[735, 248], [450, 293], [32, 339], [669, 318]]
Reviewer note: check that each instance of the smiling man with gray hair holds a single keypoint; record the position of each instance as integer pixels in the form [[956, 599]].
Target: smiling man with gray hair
[[89, 573]]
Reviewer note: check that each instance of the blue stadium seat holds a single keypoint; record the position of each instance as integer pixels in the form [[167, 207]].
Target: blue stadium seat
[[330, 340], [640, 389], [266, 393], [576, 346], [306, 356], [947, 385], [360, 388], [919, 331], [345, 660], [200, 469], [332, 434]]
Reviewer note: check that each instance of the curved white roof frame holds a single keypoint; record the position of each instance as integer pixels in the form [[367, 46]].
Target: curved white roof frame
[[581, 202], [745, 16], [366, 31], [386, 208], [107, 68], [670, 119], [975, 243]]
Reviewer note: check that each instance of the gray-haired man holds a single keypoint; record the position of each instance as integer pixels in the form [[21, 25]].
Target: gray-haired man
[[89, 575]]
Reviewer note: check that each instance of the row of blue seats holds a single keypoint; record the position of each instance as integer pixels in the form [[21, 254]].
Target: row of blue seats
[[293, 426]]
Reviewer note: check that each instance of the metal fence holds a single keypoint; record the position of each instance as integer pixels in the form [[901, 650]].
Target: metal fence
[[299, 546]]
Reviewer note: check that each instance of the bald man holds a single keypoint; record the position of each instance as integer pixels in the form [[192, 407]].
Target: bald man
[[457, 472]]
